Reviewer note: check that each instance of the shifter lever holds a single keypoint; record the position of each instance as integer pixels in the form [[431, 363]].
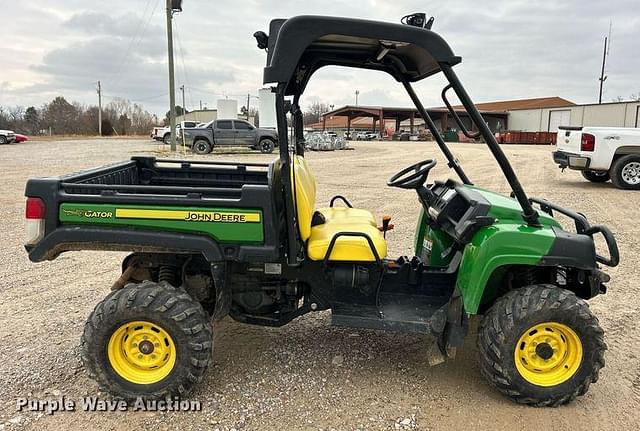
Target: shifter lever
[[427, 197], [386, 225]]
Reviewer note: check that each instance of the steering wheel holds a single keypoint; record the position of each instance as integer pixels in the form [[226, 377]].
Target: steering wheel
[[412, 177]]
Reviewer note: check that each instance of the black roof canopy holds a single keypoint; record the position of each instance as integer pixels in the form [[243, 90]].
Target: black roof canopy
[[301, 45]]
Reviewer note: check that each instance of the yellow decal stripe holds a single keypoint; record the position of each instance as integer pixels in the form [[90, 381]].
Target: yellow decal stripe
[[213, 216]]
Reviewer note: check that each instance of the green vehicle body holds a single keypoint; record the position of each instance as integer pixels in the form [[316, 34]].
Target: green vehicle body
[[508, 241]]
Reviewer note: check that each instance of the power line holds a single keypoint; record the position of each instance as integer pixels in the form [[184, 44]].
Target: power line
[[146, 98], [135, 36], [138, 35], [213, 93], [184, 68]]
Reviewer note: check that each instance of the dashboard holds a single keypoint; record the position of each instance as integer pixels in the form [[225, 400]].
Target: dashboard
[[457, 210]]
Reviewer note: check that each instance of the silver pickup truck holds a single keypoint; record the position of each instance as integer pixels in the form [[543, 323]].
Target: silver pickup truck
[[226, 133]]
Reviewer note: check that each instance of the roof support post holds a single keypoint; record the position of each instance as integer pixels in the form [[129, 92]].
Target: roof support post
[[528, 213], [287, 184], [349, 125], [453, 162], [382, 125], [397, 124], [412, 117], [324, 123]]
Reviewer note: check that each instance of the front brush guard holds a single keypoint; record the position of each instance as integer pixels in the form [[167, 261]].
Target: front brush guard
[[584, 228]]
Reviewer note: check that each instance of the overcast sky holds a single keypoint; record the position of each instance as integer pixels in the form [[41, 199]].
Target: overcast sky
[[510, 49]]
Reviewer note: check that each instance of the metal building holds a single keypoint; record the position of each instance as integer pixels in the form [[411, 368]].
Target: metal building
[[547, 119]]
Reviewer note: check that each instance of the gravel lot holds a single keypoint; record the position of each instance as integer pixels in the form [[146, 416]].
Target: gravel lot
[[307, 375]]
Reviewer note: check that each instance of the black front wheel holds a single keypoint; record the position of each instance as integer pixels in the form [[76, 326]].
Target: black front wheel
[[147, 340], [596, 176], [541, 345], [266, 146], [3, 140]]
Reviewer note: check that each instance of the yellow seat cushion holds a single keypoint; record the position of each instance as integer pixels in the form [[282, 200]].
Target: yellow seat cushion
[[338, 219], [304, 184], [346, 248], [347, 215]]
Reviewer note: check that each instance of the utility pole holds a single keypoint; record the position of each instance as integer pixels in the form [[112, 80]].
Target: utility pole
[[184, 113], [248, 101], [357, 94], [201, 105], [99, 109], [603, 77], [184, 108], [172, 88]]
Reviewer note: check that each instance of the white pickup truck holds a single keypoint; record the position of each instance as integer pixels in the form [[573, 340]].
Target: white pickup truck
[[601, 153], [7, 136], [163, 133]]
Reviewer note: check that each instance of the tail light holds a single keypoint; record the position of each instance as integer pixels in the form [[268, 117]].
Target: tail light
[[588, 142], [35, 214]]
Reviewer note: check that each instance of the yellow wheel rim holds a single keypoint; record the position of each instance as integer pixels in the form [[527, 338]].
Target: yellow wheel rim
[[141, 352], [548, 354]]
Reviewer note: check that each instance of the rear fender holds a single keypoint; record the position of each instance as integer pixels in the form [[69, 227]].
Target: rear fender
[[75, 238]]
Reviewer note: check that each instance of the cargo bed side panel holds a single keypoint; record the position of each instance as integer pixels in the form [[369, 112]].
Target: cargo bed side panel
[[225, 225]]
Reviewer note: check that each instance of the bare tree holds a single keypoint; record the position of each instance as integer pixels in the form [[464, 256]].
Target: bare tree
[[314, 113], [75, 118]]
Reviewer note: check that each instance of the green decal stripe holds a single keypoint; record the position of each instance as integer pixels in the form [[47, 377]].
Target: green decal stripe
[[222, 224]]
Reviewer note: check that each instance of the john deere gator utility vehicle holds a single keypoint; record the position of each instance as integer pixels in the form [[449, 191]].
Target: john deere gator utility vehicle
[[249, 240]]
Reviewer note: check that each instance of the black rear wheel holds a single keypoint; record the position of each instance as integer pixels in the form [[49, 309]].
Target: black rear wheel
[[166, 139], [3, 140], [596, 176], [625, 172], [541, 345], [147, 340]]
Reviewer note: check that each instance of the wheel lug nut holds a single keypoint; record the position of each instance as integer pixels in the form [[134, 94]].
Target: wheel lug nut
[[156, 344]]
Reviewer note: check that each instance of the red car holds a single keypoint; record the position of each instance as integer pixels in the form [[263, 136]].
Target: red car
[[21, 138]]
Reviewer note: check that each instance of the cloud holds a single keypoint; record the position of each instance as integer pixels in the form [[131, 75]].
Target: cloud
[[510, 49], [118, 26]]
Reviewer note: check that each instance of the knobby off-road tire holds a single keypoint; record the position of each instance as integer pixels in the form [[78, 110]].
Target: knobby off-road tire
[[513, 318], [625, 172], [178, 318], [596, 176]]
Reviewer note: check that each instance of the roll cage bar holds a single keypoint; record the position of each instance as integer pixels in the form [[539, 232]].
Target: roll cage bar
[[299, 46]]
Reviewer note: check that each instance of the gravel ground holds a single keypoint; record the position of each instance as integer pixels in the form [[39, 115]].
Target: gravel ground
[[306, 375]]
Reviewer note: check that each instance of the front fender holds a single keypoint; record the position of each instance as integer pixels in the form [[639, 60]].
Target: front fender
[[495, 246]]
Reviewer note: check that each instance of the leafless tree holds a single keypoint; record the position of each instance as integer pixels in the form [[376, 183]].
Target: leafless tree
[[314, 113]]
